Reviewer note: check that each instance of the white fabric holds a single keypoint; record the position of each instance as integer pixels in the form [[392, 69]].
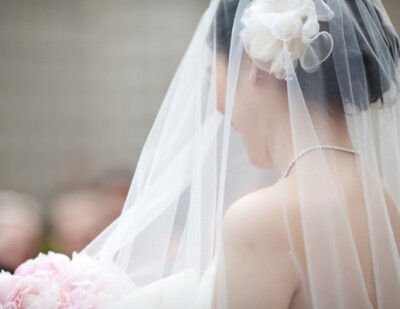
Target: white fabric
[[340, 212]]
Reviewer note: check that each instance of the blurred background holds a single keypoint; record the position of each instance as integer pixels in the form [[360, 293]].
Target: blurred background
[[81, 82]]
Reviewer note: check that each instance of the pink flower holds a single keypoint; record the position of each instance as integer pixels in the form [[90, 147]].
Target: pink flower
[[8, 283], [38, 290], [54, 281], [53, 262]]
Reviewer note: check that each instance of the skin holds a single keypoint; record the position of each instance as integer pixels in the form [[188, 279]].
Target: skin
[[265, 261]]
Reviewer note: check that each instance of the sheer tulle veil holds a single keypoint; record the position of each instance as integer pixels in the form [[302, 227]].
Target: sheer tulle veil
[[263, 83]]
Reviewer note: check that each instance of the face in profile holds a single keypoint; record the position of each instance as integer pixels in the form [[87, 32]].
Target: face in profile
[[258, 99]]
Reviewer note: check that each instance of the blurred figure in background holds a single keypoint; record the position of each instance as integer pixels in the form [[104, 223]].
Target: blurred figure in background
[[75, 219], [79, 213], [21, 229]]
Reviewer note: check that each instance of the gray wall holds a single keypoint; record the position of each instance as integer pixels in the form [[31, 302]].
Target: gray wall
[[81, 82]]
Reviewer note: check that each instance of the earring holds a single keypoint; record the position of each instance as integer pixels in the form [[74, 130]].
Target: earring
[[251, 75]]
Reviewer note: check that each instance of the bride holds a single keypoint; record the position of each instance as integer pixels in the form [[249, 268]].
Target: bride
[[271, 176], [309, 90], [311, 240]]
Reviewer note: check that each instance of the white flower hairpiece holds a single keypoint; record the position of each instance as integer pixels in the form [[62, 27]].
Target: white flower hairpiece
[[273, 26]]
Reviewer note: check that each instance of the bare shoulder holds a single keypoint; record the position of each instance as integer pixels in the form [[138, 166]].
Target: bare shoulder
[[259, 266], [260, 218]]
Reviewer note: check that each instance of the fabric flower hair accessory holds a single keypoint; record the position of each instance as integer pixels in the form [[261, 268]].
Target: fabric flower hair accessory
[[271, 27]]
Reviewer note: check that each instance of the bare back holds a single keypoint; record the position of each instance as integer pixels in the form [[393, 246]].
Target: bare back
[[257, 230]]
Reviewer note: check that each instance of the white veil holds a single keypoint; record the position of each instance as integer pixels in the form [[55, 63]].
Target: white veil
[[336, 63]]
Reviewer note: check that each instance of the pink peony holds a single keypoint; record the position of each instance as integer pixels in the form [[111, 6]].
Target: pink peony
[[38, 290], [53, 262], [8, 283], [53, 281]]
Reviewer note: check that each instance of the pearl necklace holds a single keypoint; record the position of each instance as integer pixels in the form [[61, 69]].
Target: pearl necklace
[[307, 150]]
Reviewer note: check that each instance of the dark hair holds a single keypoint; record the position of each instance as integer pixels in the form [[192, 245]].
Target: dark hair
[[323, 86]]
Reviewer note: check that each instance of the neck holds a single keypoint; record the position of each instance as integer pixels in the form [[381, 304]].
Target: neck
[[327, 131]]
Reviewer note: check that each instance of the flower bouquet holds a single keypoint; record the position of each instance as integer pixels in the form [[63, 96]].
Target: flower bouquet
[[55, 281]]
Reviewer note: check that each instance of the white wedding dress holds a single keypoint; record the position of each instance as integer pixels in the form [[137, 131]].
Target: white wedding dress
[[181, 291]]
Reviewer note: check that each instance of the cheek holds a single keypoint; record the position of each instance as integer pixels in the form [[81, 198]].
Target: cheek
[[244, 113]]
